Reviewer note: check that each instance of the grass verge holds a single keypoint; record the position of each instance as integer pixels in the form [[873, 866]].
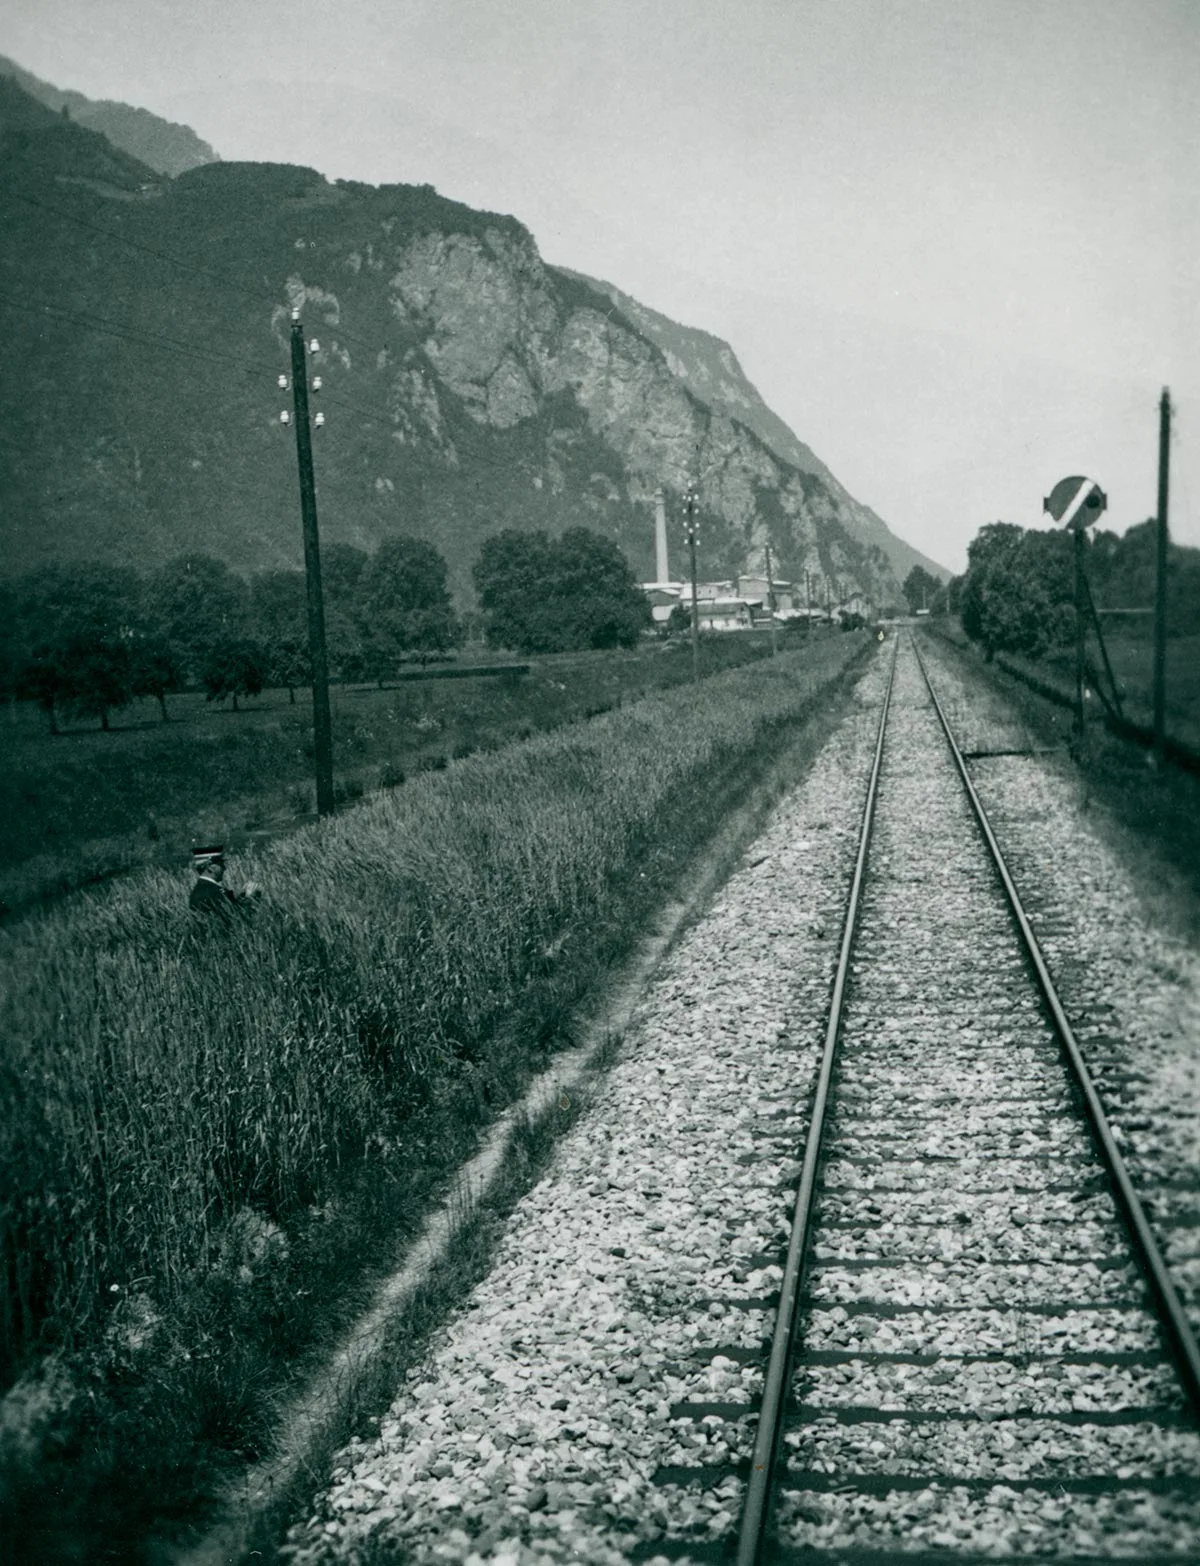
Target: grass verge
[[82, 806], [213, 1141]]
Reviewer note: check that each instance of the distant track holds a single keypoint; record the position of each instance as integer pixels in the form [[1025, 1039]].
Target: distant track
[[959, 1291]]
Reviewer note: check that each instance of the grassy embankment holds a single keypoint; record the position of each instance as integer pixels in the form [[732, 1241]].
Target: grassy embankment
[[1131, 654], [83, 805], [1152, 817], [211, 1141]]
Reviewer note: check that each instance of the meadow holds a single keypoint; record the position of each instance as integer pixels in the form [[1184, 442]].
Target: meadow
[[210, 1135], [82, 805], [1132, 657]]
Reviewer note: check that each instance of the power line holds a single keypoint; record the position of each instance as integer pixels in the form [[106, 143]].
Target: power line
[[158, 342], [142, 339], [968, 466], [183, 350], [162, 255]]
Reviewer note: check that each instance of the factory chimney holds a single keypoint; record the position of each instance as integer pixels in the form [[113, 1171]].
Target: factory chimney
[[660, 537]]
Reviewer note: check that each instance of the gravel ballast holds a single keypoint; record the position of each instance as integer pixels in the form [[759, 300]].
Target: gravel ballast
[[979, 1371], [1039, 1418], [639, 1272], [1130, 987]]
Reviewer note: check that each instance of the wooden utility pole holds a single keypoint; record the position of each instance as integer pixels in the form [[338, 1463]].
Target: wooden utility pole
[[1080, 630], [691, 504], [771, 604], [322, 725], [1160, 580]]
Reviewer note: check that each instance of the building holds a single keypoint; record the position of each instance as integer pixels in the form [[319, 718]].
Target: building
[[663, 598], [856, 603], [727, 614], [758, 587]]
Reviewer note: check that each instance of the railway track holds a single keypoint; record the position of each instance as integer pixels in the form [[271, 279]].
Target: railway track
[[968, 1363], [978, 1353]]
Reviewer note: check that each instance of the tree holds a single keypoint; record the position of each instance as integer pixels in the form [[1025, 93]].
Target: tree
[[513, 577], [923, 590], [279, 616], [342, 570], [156, 668], [10, 646], [679, 621], [1018, 589], [607, 606], [75, 628], [540, 594], [194, 604], [235, 667], [405, 603], [1123, 572]]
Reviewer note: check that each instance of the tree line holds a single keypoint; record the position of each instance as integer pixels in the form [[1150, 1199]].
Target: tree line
[[1018, 592], [87, 639]]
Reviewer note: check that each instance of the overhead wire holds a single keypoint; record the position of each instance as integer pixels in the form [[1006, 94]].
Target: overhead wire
[[160, 343], [134, 335], [190, 350], [163, 255], [1003, 456]]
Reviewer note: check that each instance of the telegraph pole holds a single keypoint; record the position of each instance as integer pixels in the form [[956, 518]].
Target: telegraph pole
[[322, 725], [771, 604], [691, 504], [1160, 580], [1080, 631]]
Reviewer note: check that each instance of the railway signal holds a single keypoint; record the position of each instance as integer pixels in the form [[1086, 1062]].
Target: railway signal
[[1077, 502]]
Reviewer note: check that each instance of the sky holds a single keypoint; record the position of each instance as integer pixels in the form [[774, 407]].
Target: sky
[[954, 243]]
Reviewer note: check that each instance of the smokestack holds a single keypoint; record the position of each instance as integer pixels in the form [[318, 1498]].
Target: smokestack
[[660, 537]]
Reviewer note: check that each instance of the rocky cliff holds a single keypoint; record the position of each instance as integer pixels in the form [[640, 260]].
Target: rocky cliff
[[710, 370], [467, 386]]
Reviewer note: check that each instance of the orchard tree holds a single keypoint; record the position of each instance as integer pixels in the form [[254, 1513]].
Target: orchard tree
[[404, 602], [75, 626], [194, 604], [10, 646], [279, 616], [156, 668], [238, 666], [343, 568], [540, 594]]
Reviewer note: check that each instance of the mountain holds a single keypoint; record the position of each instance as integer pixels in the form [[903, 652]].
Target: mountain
[[51, 151], [709, 368], [467, 386], [162, 146]]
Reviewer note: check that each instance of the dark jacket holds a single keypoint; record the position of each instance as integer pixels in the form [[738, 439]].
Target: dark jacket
[[210, 897]]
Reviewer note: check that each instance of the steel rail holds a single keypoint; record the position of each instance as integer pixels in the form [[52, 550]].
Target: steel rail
[[756, 1510], [1178, 1330]]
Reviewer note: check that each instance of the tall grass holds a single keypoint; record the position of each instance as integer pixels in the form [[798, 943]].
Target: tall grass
[[179, 1101], [81, 806]]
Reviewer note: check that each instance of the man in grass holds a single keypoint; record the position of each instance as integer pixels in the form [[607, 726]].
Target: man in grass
[[210, 895]]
